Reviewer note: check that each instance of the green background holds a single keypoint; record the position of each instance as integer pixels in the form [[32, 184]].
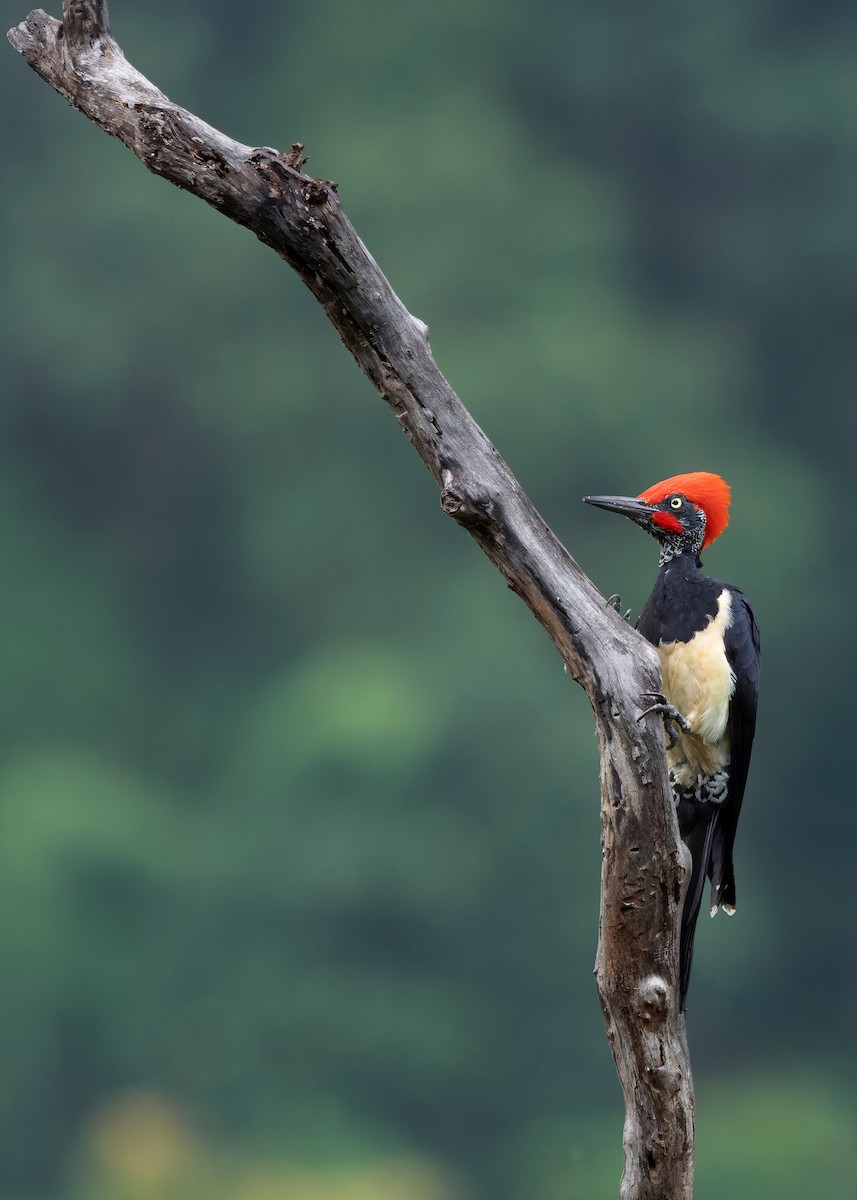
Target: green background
[[299, 838]]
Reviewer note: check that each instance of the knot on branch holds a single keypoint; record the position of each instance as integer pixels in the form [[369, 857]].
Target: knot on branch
[[283, 174], [295, 158], [316, 191], [461, 500], [651, 1002]]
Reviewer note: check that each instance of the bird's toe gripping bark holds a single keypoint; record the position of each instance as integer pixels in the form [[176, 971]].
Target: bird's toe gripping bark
[[671, 716], [615, 602]]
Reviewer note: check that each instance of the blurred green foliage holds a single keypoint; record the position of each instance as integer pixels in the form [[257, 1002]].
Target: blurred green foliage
[[298, 812]]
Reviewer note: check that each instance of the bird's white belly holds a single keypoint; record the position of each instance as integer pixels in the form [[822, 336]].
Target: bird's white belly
[[699, 682]]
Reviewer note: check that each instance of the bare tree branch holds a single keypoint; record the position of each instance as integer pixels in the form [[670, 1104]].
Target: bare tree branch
[[644, 863]]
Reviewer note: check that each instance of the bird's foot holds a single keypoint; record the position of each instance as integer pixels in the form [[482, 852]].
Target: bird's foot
[[704, 789], [615, 602], [672, 717]]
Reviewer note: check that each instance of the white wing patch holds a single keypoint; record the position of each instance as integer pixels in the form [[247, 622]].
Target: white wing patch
[[700, 683]]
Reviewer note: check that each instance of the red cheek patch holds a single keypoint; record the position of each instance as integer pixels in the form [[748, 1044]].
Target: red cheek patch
[[667, 521]]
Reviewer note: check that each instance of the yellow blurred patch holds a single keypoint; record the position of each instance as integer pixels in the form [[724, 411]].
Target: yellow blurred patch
[[142, 1141], [141, 1147]]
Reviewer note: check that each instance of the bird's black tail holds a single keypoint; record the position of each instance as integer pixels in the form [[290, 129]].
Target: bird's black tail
[[697, 824]]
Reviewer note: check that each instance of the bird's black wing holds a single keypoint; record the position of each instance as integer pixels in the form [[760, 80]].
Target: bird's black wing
[[742, 651]]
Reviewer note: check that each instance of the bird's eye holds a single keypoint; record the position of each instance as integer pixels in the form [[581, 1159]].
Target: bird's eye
[[675, 502]]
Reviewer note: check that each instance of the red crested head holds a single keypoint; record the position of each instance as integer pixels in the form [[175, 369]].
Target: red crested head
[[707, 491]]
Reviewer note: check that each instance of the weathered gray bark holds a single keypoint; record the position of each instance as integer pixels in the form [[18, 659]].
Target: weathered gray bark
[[644, 862]]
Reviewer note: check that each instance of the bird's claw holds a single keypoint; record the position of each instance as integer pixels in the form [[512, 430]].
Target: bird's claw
[[671, 716], [615, 602]]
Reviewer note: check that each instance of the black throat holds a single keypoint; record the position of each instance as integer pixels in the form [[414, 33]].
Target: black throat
[[687, 545]]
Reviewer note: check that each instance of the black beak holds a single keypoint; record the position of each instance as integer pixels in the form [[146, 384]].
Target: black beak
[[628, 506]]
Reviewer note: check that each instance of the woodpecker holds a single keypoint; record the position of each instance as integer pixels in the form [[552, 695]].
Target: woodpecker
[[708, 643]]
